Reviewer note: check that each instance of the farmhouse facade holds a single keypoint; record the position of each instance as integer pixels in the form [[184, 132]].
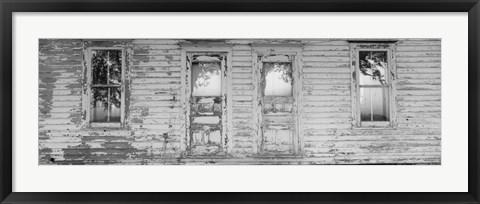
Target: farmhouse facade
[[246, 101]]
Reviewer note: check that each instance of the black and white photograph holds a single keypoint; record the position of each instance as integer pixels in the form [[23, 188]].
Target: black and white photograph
[[239, 101]]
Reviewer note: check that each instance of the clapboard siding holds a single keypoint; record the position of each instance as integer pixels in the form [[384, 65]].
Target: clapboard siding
[[326, 96], [419, 97], [242, 93], [155, 97], [418, 103], [155, 116], [60, 82]]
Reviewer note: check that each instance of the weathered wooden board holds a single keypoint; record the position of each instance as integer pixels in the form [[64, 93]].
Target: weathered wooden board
[[318, 118]]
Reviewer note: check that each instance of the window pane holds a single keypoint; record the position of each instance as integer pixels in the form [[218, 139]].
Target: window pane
[[278, 78], [115, 64], [107, 64], [115, 104], [374, 104], [373, 67], [99, 66], [100, 104], [206, 79]]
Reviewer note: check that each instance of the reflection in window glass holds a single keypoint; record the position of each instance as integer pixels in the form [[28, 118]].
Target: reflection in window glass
[[100, 104], [115, 99], [206, 79], [107, 66], [373, 84], [115, 64], [99, 66], [106, 104], [373, 67], [278, 78], [374, 104], [106, 82]]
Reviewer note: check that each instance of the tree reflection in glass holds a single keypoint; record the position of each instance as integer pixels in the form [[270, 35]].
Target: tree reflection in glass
[[373, 67], [106, 82], [373, 84], [277, 78], [100, 104], [206, 79]]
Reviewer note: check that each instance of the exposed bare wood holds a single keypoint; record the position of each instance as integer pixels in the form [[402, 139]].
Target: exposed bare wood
[[320, 117]]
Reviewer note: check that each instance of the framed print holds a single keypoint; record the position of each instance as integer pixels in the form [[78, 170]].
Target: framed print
[[200, 101]]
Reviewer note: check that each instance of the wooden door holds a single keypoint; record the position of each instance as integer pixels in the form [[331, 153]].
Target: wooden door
[[207, 104], [277, 103]]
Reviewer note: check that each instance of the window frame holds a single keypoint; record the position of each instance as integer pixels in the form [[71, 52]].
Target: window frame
[[391, 75], [88, 86]]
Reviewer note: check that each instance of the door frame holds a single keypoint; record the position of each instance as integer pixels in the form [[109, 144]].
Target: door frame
[[206, 49], [258, 53]]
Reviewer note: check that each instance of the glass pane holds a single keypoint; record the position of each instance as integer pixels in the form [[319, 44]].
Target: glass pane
[[100, 104], [373, 67], [206, 79], [115, 104], [278, 78], [115, 64], [99, 66], [374, 104]]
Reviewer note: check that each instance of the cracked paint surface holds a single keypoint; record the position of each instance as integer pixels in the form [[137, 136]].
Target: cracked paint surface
[[166, 124]]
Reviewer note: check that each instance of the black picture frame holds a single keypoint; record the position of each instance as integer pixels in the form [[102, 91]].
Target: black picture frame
[[8, 7]]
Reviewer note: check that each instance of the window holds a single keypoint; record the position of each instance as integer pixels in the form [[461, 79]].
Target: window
[[106, 80], [373, 84], [373, 78], [206, 77], [278, 78]]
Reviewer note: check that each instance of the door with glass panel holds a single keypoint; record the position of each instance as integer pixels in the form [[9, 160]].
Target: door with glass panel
[[206, 93], [277, 103]]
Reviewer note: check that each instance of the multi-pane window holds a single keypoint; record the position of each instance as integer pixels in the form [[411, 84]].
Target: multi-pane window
[[106, 85], [373, 84]]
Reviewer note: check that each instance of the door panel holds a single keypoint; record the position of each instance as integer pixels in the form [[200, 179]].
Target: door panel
[[206, 125], [277, 126]]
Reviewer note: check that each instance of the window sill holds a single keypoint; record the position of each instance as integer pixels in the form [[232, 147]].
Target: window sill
[[104, 126], [105, 129], [375, 125]]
